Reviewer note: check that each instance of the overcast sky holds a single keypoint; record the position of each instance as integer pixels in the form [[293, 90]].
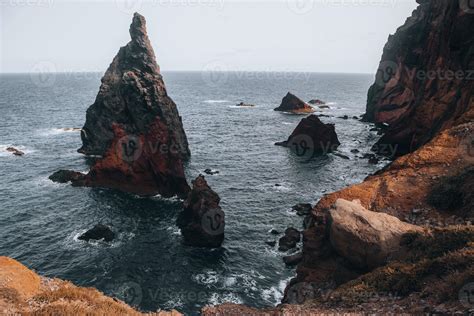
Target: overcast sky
[[274, 35]]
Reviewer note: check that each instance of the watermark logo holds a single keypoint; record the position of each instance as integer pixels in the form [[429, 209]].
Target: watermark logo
[[215, 74], [386, 71], [303, 146], [467, 6], [300, 6], [213, 222], [128, 6], [466, 295], [129, 292], [129, 148], [43, 74]]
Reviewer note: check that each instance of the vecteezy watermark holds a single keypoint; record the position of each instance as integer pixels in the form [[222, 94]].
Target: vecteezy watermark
[[303, 146], [130, 292], [300, 6], [131, 6], [387, 71], [466, 295], [215, 74], [129, 148], [27, 3], [467, 6], [213, 222], [43, 74]]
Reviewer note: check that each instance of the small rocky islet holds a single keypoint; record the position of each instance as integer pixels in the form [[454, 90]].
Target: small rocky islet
[[389, 238]]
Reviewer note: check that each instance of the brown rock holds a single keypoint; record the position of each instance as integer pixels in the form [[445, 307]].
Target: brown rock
[[367, 239], [316, 101], [424, 83], [135, 126], [15, 151], [293, 104], [202, 222], [312, 136]]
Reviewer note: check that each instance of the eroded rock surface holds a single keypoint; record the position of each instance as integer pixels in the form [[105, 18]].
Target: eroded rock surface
[[202, 222], [425, 81], [293, 104], [134, 126]]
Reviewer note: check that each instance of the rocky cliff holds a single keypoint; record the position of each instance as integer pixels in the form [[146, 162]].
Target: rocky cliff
[[134, 126], [425, 80], [23, 292]]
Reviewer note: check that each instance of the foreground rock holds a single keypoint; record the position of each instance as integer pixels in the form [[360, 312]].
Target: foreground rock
[[312, 136], [135, 126], [15, 151], [367, 239], [293, 104], [98, 232], [202, 222], [23, 292], [424, 83]]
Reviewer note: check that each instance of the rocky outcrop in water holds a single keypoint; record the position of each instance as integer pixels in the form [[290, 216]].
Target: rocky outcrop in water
[[98, 232], [312, 136], [23, 292], [15, 151], [293, 104], [316, 102], [425, 81], [135, 126], [202, 222]]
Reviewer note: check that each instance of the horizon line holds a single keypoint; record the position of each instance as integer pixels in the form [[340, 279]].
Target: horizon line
[[171, 70]]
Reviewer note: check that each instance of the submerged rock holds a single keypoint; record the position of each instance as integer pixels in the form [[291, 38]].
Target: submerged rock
[[293, 260], [302, 209], [312, 136], [15, 151], [293, 104], [316, 101], [289, 240], [135, 126], [211, 172], [367, 239], [202, 222], [242, 104], [97, 233]]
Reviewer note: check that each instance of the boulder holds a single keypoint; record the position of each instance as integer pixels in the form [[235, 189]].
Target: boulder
[[202, 221], [15, 151], [289, 240], [302, 209], [65, 176], [293, 260], [293, 104], [135, 127], [211, 172], [312, 136], [367, 239], [98, 232]]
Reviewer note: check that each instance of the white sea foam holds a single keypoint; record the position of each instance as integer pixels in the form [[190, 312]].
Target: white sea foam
[[206, 278], [57, 131], [217, 299], [275, 293]]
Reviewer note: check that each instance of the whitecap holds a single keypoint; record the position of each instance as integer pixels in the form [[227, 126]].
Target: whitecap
[[57, 131], [206, 278], [217, 299]]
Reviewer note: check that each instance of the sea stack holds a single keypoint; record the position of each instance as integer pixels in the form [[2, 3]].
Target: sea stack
[[202, 222], [134, 126], [293, 104], [312, 136], [425, 80]]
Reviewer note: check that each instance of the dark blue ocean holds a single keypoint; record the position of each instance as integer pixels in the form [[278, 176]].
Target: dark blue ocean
[[147, 265]]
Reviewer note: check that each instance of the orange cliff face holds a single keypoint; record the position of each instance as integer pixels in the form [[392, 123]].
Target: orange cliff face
[[24, 292], [425, 80]]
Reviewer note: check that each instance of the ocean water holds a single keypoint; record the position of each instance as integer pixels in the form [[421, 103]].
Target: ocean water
[[147, 265]]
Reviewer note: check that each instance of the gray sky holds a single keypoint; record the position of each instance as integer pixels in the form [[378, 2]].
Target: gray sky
[[273, 35]]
